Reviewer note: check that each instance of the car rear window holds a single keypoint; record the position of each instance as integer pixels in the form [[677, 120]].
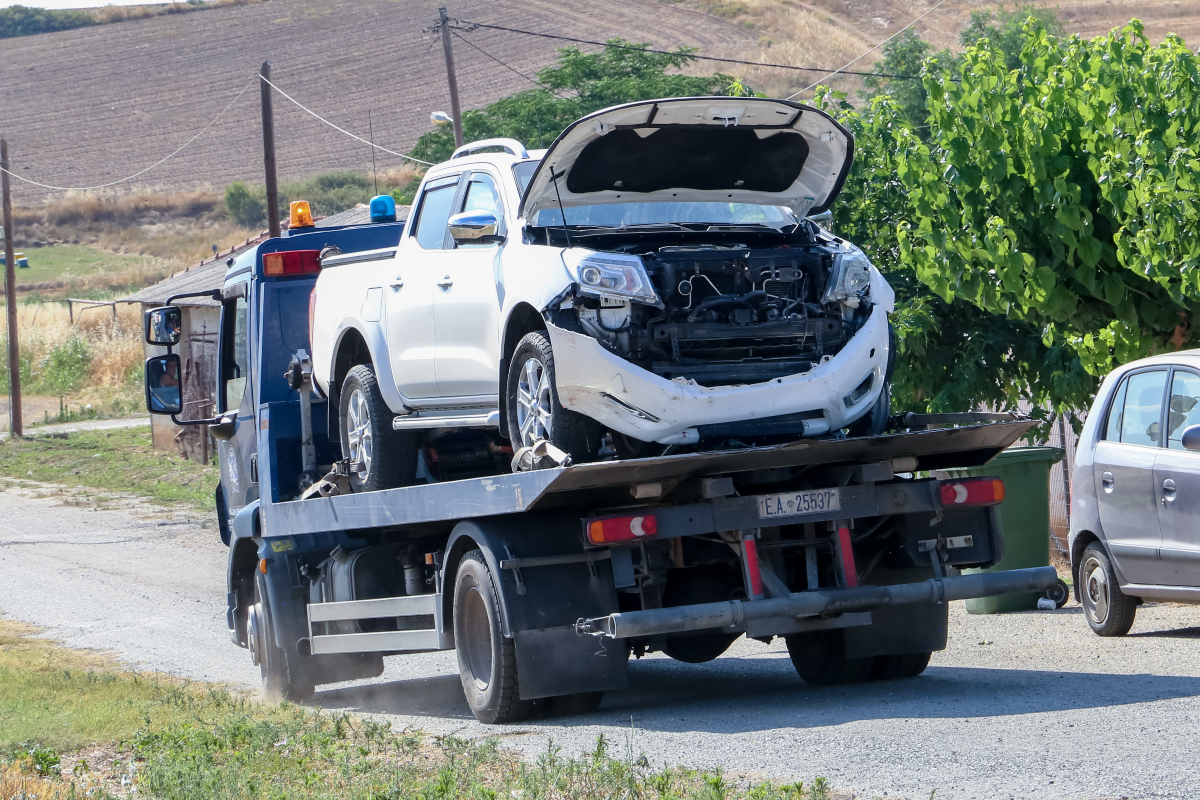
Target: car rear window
[[1136, 413]]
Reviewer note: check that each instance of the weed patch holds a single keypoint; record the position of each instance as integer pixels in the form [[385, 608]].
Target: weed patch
[[119, 460]]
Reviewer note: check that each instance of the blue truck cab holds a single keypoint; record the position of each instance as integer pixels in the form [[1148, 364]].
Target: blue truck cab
[[546, 581]]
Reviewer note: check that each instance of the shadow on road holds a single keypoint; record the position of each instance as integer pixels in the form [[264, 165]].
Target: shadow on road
[[751, 694], [1179, 633]]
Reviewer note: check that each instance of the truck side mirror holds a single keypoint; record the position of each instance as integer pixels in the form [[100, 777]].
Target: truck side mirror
[[475, 227], [164, 392], [1191, 438], [163, 325]]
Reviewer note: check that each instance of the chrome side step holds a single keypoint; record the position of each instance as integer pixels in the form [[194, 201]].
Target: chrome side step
[[412, 640], [448, 418]]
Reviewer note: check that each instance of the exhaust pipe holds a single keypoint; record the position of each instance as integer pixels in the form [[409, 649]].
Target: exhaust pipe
[[704, 616]]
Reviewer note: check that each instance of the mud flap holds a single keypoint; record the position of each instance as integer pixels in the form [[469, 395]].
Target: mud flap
[[558, 661]]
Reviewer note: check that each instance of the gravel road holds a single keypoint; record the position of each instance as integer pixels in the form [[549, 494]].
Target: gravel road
[[1018, 706]]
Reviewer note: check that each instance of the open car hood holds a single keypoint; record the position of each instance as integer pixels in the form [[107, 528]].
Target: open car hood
[[696, 149]]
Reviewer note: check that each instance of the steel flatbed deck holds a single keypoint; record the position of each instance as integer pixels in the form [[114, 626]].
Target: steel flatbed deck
[[606, 484]]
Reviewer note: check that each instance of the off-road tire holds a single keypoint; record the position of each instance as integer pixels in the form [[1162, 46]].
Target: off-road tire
[[568, 431], [392, 453], [277, 680], [820, 658], [487, 660], [1108, 610]]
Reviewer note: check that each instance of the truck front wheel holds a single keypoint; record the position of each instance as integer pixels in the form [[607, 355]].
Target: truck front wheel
[[487, 660], [380, 457], [534, 412], [270, 658]]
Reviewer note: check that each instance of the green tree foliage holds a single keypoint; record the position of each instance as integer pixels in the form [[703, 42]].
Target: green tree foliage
[[245, 206], [953, 354], [577, 85], [1063, 194], [25, 21], [1005, 29], [903, 55]]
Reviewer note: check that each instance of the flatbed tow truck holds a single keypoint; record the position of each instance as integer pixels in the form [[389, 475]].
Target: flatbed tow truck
[[547, 581]]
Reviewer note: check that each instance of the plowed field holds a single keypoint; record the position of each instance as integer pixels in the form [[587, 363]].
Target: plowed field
[[92, 105]]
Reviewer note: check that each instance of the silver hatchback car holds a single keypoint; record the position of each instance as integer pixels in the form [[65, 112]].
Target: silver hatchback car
[[1135, 508]]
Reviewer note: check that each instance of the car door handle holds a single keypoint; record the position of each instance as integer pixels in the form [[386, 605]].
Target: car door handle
[[397, 282], [1106, 480], [1168, 491], [445, 282]]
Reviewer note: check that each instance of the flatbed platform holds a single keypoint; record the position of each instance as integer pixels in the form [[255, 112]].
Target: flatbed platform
[[606, 483]]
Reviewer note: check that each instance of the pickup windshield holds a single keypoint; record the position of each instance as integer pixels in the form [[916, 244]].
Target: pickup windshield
[[623, 215]]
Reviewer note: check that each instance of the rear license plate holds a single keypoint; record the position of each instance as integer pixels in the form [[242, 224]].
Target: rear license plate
[[815, 501]]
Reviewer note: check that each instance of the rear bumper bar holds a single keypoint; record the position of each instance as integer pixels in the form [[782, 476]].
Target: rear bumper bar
[[658, 621]]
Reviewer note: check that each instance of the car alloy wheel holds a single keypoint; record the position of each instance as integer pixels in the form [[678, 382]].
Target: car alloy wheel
[[358, 432], [535, 413], [1097, 594]]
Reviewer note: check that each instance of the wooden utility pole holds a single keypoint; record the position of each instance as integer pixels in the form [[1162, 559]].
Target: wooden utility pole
[[10, 297], [268, 126], [455, 110]]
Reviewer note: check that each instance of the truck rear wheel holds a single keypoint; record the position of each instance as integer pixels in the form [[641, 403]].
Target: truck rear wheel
[[277, 681], [385, 458], [900, 665], [820, 658], [487, 660], [534, 412]]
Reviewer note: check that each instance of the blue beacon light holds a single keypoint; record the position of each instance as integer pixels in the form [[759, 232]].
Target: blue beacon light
[[383, 208]]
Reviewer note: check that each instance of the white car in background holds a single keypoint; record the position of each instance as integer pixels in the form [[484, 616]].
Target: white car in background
[[686, 302]]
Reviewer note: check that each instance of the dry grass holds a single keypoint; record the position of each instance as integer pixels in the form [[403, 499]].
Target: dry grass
[[116, 345]]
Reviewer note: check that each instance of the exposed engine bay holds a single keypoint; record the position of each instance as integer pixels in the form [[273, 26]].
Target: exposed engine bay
[[733, 310]]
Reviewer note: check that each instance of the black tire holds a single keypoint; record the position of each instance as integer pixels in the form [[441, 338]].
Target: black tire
[[692, 587], [1059, 594], [278, 681], [820, 658], [875, 421], [487, 660], [899, 665], [1108, 610], [532, 364], [388, 457]]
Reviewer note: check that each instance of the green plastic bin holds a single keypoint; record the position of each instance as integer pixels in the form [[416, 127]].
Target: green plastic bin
[[1024, 517]]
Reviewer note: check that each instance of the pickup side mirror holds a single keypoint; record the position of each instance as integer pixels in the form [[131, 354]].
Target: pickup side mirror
[[475, 227], [163, 325], [164, 392], [1191, 438]]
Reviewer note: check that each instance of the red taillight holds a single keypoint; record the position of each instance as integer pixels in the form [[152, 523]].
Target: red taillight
[[972, 492], [621, 529], [291, 262]]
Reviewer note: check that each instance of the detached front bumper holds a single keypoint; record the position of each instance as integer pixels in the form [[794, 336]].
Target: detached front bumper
[[636, 402]]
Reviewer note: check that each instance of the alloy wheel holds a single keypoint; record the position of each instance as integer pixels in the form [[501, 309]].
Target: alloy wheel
[[534, 411], [1096, 591], [358, 433]]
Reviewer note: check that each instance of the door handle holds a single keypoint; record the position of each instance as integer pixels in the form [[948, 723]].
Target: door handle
[[445, 282], [1168, 487], [397, 282], [1106, 480]]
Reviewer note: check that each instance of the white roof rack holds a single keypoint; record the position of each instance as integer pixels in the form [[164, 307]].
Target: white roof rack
[[509, 146]]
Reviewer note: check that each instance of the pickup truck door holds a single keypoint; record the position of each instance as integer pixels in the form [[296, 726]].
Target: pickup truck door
[[409, 291], [467, 307], [1177, 483], [1124, 475]]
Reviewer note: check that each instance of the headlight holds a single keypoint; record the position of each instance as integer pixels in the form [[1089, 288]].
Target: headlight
[[849, 279], [610, 275]]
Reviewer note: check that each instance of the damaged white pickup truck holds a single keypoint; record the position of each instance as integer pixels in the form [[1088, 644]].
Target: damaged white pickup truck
[[650, 282]]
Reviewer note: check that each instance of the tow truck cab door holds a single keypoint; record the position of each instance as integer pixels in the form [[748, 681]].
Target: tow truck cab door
[[235, 392]]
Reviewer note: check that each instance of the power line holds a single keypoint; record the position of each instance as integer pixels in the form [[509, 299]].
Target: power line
[[872, 50], [336, 128], [468, 43], [473, 25], [147, 169]]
